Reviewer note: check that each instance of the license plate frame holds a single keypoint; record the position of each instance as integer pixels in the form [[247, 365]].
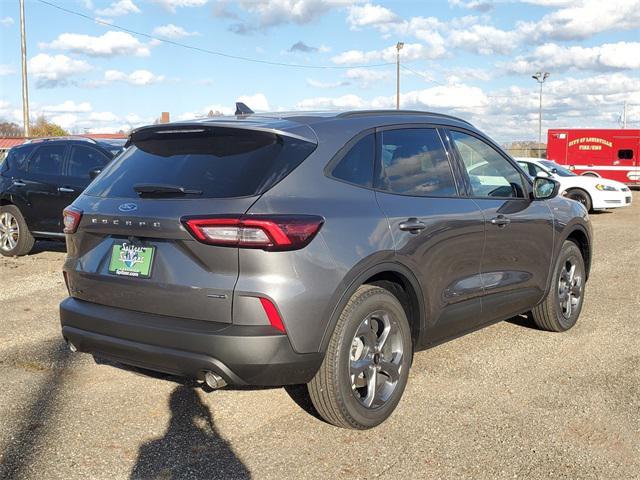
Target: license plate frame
[[132, 260]]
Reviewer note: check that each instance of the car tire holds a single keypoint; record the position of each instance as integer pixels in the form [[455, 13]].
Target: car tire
[[15, 237], [560, 309], [366, 365], [580, 196]]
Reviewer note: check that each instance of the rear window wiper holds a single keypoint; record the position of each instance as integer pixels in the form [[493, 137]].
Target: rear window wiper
[[151, 189]]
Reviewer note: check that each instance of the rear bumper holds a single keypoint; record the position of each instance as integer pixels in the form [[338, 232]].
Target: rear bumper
[[242, 355]]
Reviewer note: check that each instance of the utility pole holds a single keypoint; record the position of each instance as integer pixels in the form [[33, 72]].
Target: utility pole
[[25, 86], [399, 46], [540, 77], [624, 115]]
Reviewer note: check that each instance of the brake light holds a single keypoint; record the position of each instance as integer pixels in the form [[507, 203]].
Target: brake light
[[71, 219], [272, 314], [268, 232]]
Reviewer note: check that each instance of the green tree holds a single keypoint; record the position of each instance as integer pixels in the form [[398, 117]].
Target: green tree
[[43, 128]]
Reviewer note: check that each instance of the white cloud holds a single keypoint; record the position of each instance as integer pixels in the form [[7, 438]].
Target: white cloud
[[484, 40], [511, 114], [582, 19], [6, 21], [7, 70], [550, 3], [68, 106], [344, 102], [65, 120], [173, 5], [269, 13], [255, 102], [410, 52], [103, 117], [319, 84], [366, 77], [110, 44], [138, 77], [607, 57], [53, 70], [172, 31], [369, 14], [480, 5], [119, 8]]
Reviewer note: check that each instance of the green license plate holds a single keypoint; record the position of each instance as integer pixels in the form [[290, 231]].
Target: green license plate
[[131, 260]]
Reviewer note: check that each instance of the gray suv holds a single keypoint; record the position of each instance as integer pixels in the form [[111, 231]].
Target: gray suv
[[317, 248]]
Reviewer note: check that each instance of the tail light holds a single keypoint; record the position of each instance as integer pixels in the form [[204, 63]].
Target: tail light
[[268, 232], [71, 219]]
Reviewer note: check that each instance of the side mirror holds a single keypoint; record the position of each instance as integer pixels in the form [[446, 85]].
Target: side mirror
[[94, 173], [554, 170], [545, 188]]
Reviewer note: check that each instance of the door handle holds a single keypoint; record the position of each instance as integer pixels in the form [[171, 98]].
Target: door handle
[[65, 190], [19, 183], [500, 221], [412, 225]]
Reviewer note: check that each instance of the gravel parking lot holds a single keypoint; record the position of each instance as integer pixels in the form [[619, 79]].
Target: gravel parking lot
[[508, 401]]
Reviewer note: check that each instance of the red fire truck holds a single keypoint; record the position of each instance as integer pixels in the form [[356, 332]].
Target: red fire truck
[[604, 153]]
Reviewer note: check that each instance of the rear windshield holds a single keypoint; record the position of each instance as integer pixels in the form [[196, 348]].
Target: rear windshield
[[210, 162]]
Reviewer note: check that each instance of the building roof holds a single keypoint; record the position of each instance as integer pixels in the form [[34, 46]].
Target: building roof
[[7, 142]]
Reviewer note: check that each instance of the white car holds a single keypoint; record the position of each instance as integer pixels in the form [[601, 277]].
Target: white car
[[593, 192]]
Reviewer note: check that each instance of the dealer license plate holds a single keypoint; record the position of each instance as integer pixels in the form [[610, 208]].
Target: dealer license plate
[[131, 260]]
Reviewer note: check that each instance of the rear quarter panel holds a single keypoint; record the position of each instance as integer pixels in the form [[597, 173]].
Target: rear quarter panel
[[307, 285]]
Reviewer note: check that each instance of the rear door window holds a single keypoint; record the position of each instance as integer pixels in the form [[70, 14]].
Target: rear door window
[[84, 159], [357, 165], [414, 162], [47, 160], [17, 159], [210, 162]]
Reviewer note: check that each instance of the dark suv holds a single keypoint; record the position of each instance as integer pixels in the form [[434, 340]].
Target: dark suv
[[38, 179], [314, 248]]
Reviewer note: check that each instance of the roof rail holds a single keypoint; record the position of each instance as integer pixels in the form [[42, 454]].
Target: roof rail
[[63, 137], [366, 113]]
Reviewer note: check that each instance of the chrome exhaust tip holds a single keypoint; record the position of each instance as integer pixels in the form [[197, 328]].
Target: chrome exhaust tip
[[213, 380], [72, 347]]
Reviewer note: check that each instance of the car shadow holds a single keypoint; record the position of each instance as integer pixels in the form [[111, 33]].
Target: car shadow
[[54, 363], [523, 320], [48, 246], [191, 447]]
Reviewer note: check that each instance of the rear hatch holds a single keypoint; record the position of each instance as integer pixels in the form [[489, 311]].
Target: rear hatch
[[132, 250]]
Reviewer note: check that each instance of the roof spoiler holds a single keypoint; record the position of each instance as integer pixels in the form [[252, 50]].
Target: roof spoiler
[[242, 109], [168, 129]]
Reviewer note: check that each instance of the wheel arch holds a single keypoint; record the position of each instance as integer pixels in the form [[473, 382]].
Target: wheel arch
[[578, 236], [402, 280]]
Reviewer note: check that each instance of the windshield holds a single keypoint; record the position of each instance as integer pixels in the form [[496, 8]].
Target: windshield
[[215, 163], [114, 147], [560, 171]]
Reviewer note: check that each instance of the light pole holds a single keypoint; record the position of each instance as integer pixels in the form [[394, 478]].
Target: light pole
[[25, 87], [399, 46], [540, 77]]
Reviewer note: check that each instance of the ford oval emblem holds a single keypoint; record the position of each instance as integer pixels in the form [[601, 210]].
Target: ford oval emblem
[[128, 207]]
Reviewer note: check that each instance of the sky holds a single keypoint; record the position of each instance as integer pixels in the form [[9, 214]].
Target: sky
[[108, 65]]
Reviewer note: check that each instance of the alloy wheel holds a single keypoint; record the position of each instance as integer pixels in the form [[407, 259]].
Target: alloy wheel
[[375, 359], [569, 287], [9, 231]]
